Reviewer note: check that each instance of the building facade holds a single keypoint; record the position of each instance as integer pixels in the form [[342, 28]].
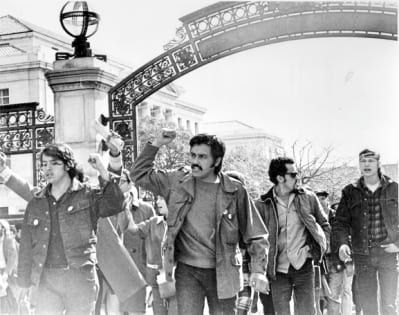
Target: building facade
[[27, 52], [238, 134]]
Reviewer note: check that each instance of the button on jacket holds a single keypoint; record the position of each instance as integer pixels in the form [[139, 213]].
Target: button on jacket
[[352, 217], [236, 217], [311, 214], [78, 215]]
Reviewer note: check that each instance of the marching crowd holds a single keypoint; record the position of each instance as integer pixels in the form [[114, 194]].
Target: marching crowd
[[84, 249]]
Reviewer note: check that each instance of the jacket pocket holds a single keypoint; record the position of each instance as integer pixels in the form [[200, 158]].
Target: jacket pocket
[[78, 219], [229, 228], [35, 225], [176, 208]]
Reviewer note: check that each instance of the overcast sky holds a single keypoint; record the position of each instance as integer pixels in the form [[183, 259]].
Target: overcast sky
[[334, 92]]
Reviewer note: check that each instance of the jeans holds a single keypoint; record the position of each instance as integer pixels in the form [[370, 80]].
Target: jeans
[[301, 282], [377, 272], [267, 302], [71, 290], [340, 283], [193, 285]]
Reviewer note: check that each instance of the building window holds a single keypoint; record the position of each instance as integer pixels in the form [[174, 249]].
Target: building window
[[179, 123], [4, 97], [196, 130], [188, 125], [168, 114]]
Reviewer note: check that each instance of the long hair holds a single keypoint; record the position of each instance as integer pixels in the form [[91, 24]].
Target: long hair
[[64, 153]]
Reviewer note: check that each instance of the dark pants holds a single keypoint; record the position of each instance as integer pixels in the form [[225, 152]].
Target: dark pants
[[267, 302], [377, 272], [193, 285], [71, 290], [301, 282]]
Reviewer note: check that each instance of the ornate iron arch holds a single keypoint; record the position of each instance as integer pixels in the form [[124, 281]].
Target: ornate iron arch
[[228, 27]]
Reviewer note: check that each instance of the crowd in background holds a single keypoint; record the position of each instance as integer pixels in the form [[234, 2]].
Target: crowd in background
[[84, 250]]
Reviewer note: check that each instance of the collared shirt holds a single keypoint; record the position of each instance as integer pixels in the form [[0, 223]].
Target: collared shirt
[[377, 231], [56, 253], [292, 248]]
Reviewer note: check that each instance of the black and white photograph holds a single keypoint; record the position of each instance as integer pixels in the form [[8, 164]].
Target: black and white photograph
[[199, 157]]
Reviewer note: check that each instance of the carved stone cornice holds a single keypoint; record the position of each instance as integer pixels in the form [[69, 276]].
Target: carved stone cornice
[[80, 79]]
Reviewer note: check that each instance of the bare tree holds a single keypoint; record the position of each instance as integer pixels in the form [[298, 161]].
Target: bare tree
[[320, 171], [253, 163]]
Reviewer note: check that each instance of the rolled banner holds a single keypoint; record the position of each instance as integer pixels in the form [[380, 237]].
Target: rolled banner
[[115, 262]]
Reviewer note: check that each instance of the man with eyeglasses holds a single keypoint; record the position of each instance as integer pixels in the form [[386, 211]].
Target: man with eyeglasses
[[57, 254], [367, 231], [210, 214], [298, 235]]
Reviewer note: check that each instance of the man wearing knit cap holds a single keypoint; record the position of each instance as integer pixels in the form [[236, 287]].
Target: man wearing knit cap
[[368, 215]]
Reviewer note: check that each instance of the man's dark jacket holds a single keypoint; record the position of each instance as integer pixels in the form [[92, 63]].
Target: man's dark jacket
[[352, 217]]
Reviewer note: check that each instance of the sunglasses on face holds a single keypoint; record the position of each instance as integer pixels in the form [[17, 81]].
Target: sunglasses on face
[[292, 174]]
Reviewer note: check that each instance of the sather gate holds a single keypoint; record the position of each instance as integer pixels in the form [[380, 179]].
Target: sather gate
[[230, 27], [26, 128]]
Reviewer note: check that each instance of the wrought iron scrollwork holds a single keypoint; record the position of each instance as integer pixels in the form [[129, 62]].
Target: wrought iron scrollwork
[[185, 58], [180, 37], [24, 128], [124, 129], [228, 27]]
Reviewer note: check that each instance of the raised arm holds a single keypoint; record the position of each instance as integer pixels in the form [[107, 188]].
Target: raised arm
[[109, 198], [144, 172], [14, 182]]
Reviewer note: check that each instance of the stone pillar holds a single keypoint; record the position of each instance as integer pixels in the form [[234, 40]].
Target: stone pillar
[[80, 89]]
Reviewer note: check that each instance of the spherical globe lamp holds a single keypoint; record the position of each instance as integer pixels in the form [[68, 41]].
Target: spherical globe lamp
[[81, 23]]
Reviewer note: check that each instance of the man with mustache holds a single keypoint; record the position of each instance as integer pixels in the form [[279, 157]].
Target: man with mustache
[[367, 231], [209, 214]]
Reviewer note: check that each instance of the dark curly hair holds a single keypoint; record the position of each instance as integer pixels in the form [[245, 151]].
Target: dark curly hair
[[277, 167], [64, 153], [218, 147]]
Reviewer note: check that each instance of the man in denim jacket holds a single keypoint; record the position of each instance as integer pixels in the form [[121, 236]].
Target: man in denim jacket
[[57, 251], [368, 212], [209, 214]]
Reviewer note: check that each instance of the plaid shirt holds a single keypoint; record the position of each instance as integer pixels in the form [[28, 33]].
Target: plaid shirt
[[377, 231]]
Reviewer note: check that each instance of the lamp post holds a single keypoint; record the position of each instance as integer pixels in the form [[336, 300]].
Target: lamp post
[[79, 22]]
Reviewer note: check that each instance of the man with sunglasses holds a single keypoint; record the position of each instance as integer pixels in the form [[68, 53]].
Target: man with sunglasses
[[367, 231], [298, 232]]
